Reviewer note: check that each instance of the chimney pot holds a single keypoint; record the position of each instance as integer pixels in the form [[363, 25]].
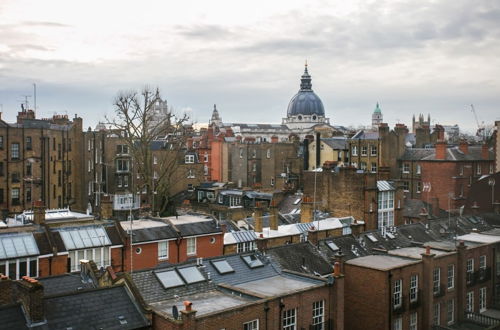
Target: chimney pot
[[188, 305], [428, 250], [336, 269]]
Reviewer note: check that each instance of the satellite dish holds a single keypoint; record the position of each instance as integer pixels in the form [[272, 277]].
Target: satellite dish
[[175, 312]]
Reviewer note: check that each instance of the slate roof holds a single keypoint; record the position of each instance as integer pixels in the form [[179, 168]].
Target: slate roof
[[43, 243], [67, 283], [368, 135], [300, 257], [373, 240], [336, 143], [12, 317], [413, 208], [198, 228], [39, 123], [417, 232], [113, 235], [349, 245], [452, 154], [94, 309], [154, 234]]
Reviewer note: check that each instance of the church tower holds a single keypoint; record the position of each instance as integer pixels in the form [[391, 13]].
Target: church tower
[[216, 120], [377, 117]]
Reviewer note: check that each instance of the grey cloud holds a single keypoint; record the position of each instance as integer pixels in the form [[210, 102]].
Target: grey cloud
[[204, 31], [44, 24]]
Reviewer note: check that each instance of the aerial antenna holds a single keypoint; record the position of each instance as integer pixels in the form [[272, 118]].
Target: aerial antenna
[[26, 103], [34, 97]]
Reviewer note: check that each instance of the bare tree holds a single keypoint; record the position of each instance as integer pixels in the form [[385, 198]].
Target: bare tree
[[155, 137]]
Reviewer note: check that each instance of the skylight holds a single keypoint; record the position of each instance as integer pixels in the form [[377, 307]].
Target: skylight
[[191, 274], [169, 279], [332, 246], [297, 201], [222, 266], [372, 238], [390, 235], [84, 237], [14, 246], [252, 261]]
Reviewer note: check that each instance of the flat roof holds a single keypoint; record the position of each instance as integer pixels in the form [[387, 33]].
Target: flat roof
[[275, 285], [185, 219], [382, 262], [479, 238], [203, 302], [415, 252], [142, 224]]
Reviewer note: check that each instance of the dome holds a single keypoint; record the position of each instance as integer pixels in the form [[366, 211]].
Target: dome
[[305, 102]]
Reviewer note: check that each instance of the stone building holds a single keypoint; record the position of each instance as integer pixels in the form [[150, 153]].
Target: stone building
[[41, 159]]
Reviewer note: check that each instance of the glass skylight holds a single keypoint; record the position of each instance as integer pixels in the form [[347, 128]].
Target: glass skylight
[[84, 237], [14, 246], [222, 266], [169, 279], [332, 246], [252, 261], [191, 274]]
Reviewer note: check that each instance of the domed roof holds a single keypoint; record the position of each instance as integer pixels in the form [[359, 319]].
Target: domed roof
[[305, 102]]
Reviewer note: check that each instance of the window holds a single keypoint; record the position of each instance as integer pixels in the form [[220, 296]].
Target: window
[[414, 288], [272, 181], [398, 323], [373, 150], [268, 153], [17, 268], [59, 178], [254, 153], [241, 152], [189, 159], [469, 302], [450, 311], [155, 160], [478, 169], [191, 246], [28, 194], [482, 262], [100, 255], [1, 168], [363, 166], [252, 325], [205, 157], [1, 141], [122, 165], [190, 174], [119, 181], [122, 149], [374, 168], [385, 209], [162, 250], [14, 151], [125, 181], [419, 169], [29, 169], [436, 280], [419, 187], [482, 299], [234, 201], [364, 150], [246, 247], [470, 270], [318, 314], [289, 319], [461, 171], [492, 169], [406, 186], [451, 276], [29, 144], [397, 294], [1, 197], [406, 167], [15, 177], [354, 150], [14, 194], [437, 314], [413, 321]]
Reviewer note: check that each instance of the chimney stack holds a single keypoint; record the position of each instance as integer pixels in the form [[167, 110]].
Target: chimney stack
[[274, 215], [30, 292], [464, 146], [38, 212], [306, 209], [441, 150], [106, 207], [257, 218], [485, 151]]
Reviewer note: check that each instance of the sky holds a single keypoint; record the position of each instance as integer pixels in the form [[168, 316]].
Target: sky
[[412, 57]]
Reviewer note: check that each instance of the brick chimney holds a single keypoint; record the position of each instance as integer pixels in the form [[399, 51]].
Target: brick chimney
[[312, 235], [274, 139], [106, 211], [38, 212], [464, 147], [257, 217], [485, 151], [441, 150], [6, 290], [306, 209], [274, 215], [439, 132], [30, 293], [188, 316]]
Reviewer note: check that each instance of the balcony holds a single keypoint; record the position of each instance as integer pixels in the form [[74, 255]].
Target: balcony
[[470, 279], [415, 303], [400, 308], [125, 202], [483, 275], [439, 291]]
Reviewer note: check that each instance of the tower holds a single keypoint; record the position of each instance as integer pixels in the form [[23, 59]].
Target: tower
[[377, 117]]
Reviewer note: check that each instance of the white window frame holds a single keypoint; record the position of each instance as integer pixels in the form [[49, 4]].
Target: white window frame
[[406, 167], [374, 167], [414, 288], [398, 323], [436, 280], [268, 153], [191, 246], [364, 150], [482, 262], [354, 151], [162, 250], [469, 301], [190, 174], [289, 320], [413, 321], [478, 169], [245, 246], [437, 314], [251, 325], [189, 159], [318, 314], [373, 150], [451, 276], [397, 293], [482, 299], [419, 169], [469, 269], [450, 311], [8, 262]]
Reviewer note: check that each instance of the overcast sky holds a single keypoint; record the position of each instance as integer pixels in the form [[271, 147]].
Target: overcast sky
[[417, 56]]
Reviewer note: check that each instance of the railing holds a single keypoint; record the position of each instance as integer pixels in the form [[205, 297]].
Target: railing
[[415, 303], [483, 320], [483, 275], [439, 291], [470, 278], [398, 309]]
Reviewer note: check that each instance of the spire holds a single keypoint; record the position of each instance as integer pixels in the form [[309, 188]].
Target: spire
[[305, 81], [377, 109]]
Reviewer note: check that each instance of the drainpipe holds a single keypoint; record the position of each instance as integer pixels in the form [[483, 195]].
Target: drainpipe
[[389, 278]]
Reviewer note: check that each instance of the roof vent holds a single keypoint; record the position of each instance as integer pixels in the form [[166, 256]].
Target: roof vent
[[122, 320]]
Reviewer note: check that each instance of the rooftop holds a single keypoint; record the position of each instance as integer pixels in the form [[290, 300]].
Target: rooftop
[[276, 285], [382, 262], [415, 252]]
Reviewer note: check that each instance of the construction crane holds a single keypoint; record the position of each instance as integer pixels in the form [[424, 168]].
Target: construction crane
[[480, 126]]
